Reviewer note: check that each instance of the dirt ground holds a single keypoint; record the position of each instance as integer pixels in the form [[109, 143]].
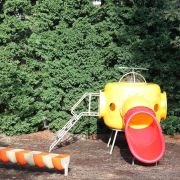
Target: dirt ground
[[90, 159]]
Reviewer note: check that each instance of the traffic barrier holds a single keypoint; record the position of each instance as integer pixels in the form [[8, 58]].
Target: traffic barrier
[[35, 158]]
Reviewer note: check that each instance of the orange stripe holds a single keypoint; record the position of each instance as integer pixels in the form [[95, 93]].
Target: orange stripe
[[20, 157], [3, 156], [39, 160], [57, 161]]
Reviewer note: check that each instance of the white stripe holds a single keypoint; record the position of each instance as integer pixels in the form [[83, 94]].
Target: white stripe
[[29, 157], [47, 160], [65, 162], [11, 155]]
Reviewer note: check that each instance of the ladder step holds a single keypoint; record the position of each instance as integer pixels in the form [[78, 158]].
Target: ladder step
[[62, 132]]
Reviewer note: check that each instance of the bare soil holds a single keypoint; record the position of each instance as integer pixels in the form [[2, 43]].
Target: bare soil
[[90, 159]]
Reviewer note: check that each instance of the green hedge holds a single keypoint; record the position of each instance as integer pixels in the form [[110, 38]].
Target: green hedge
[[52, 52], [171, 126]]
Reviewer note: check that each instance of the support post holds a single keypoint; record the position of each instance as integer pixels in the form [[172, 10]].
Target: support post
[[116, 131]]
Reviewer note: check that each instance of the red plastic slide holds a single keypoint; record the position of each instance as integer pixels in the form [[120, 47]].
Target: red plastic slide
[[144, 135]]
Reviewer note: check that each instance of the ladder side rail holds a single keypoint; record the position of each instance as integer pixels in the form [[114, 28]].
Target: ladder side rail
[[90, 98], [70, 122], [81, 99], [67, 128], [89, 108], [99, 104], [97, 95], [77, 103], [53, 145], [63, 133], [67, 124]]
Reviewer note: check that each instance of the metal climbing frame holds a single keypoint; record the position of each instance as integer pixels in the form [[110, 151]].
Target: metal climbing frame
[[62, 132]]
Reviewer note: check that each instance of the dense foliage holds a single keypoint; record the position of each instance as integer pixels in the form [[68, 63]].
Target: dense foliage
[[53, 51]]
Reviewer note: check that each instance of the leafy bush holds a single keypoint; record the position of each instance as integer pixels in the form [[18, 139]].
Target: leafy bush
[[52, 52], [171, 125]]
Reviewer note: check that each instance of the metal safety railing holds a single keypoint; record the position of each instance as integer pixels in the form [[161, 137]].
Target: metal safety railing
[[62, 132]]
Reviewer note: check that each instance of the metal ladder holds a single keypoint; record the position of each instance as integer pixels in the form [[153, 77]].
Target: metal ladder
[[62, 132]]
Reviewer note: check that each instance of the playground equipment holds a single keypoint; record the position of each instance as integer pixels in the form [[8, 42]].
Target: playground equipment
[[131, 105], [75, 118], [35, 158]]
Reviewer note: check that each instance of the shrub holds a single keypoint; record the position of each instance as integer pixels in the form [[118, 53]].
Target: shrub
[[52, 52], [171, 125]]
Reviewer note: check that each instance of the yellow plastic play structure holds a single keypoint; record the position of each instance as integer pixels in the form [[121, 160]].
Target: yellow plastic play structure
[[131, 105], [136, 107], [119, 97]]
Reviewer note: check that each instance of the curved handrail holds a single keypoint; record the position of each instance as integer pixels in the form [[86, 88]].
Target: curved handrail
[[134, 78]]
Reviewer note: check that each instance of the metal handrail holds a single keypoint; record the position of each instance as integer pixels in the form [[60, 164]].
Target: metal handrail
[[81, 99], [62, 132], [134, 78]]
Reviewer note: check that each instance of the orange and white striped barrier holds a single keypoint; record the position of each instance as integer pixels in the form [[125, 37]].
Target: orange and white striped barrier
[[35, 158]]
